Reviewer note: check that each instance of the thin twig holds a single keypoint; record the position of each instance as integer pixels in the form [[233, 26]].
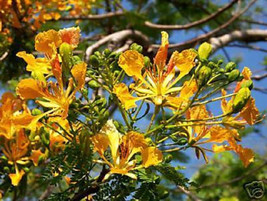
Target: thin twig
[[188, 193], [192, 24], [93, 17]]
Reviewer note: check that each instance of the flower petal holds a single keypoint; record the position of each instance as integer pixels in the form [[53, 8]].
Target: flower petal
[[184, 61], [70, 36], [122, 92], [161, 56], [46, 41], [132, 63], [29, 89], [15, 178], [79, 71], [250, 112], [151, 156]]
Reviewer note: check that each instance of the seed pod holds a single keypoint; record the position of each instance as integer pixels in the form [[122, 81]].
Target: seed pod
[[45, 138], [241, 99], [204, 50], [136, 47], [204, 75], [248, 84], [230, 66], [233, 75], [93, 60], [93, 84], [168, 158]]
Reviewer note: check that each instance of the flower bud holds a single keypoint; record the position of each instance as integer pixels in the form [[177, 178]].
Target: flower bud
[[136, 47], [241, 99], [248, 84], [76, 59], [204, 75], [93, 60], [182, 141], [230, 66], [36, 112], [65, 51], [204, 50], [93, 84], [107, 52], [147, 61], [168, 158], [233, 75]]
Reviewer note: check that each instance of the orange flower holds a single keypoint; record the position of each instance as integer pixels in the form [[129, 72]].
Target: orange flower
[[122, 149], [156, 84], [15, 150]]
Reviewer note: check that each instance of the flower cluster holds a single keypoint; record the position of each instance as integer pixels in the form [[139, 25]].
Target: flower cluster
[[52, 110]]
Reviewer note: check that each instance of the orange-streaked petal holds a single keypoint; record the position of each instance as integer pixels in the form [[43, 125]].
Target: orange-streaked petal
[[132, 63], [189, 89], [44, 41], [151, 156], [246, 73], [250, 112], [161, 56], [79, 71], [35, 156], [123, 94], [184, 61], [101, 143], [29, 89], [70, 36]]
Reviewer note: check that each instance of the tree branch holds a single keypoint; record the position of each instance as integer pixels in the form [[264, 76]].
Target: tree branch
[[188, 193], [192, 24], [205, 37], [118, 38], [246, 35], [93, 17], [259, 77]]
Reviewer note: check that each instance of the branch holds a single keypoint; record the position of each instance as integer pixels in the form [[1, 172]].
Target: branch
[[246, 35], [254, 22], [188, 193], [93, 17], [259, 77], [3, 56], [116, 38], [204, 37], [253, 47], [193, 24]]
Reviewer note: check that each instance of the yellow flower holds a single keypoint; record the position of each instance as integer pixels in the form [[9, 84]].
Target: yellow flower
[[15, 150], [122, 149], [157, 83], [53, 95]]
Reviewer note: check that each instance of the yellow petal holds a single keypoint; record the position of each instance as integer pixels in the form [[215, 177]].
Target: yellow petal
[[122, 92], [79, 71], [15, 178], [101, 143], [132, 63], [70, 36], [29, 89], [219, 134], [184, 61], [114, 137], [45, 41], [41, 65], [161, 56], [246, 73], [189, 89], [175, 102], [151, 156], [250, 112]]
